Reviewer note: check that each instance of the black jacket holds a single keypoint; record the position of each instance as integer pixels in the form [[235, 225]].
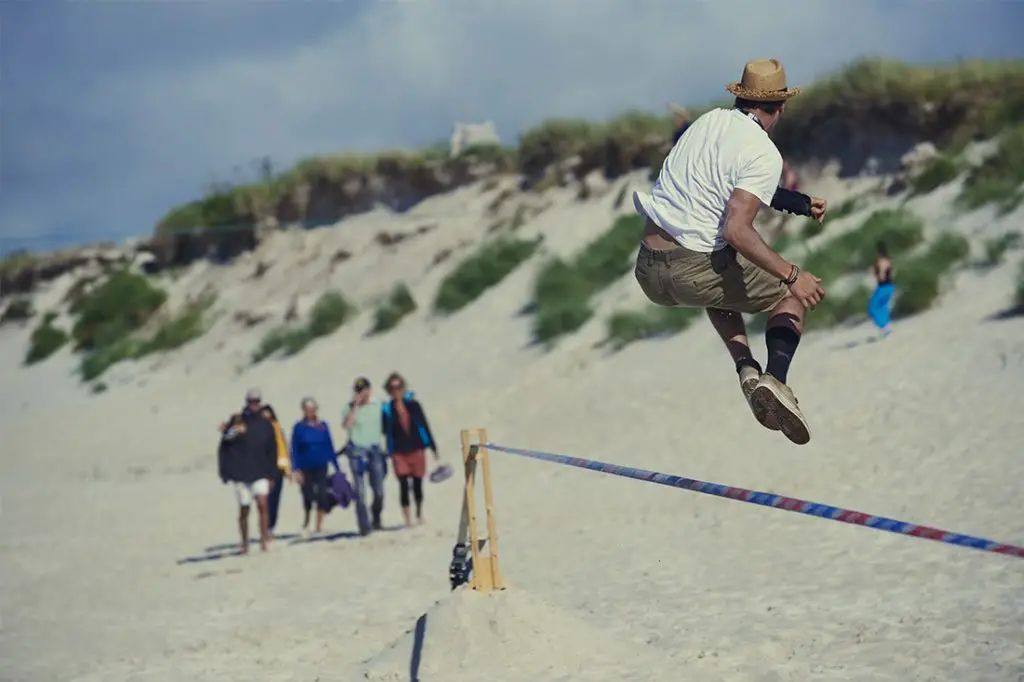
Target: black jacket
[[398, 439], [248, 450]]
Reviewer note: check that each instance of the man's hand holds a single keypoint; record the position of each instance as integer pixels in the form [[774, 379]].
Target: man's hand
[[807, 289], [818, 207], [297, 477]]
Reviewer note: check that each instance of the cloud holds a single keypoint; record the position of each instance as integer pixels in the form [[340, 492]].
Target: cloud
[[114, 112]]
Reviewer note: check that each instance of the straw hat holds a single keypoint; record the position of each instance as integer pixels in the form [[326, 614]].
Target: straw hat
[[763, 80]]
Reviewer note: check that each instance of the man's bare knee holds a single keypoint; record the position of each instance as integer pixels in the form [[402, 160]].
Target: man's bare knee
[[789, 312]]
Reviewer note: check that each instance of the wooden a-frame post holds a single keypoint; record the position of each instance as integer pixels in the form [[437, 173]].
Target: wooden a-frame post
[[486, 575]]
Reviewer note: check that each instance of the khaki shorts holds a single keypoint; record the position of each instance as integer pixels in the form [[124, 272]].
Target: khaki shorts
[[723, 279]]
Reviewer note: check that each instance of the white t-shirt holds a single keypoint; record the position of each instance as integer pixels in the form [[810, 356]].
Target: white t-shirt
[[722, 150]]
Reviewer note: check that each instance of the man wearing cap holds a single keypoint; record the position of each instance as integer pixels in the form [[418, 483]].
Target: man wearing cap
[[362, 419], [700, 248], [247, 459]]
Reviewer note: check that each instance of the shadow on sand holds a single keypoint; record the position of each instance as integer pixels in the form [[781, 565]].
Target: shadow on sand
[[230, 549], [419, 635]]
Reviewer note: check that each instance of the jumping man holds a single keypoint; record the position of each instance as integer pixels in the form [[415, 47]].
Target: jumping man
[[700, 248]]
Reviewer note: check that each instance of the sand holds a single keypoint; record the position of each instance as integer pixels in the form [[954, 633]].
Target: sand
[[117, 538]]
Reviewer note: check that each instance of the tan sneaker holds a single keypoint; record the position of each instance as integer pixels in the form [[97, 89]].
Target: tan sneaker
[[749, 379], [772, 397]]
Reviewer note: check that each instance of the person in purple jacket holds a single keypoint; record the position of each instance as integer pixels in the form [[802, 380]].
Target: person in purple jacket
[[312, 451]]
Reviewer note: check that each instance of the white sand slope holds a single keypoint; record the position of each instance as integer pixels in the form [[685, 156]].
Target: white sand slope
[[116, 536], [509, 636]]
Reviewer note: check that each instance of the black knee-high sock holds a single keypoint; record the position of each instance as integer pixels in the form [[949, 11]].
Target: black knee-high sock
[[782, 343], [748, 362]]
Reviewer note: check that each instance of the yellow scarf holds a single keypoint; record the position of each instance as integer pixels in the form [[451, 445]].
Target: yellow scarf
[[284, 463]]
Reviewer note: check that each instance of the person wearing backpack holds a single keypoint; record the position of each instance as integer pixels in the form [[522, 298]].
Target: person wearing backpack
[[361, 418], [408, 437]]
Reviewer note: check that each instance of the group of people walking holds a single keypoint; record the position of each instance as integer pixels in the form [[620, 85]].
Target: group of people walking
[[256, 459]]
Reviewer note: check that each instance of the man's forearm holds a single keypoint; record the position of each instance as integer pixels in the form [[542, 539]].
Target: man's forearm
[[746, 240]]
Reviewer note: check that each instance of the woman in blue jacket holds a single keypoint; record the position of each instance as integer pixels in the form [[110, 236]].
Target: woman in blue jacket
[[312, 451]]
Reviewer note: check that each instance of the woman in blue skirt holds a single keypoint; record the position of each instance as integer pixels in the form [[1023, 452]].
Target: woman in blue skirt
[[881, 300]]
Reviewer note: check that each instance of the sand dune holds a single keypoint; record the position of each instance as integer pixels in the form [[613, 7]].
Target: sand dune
[[116, 536]]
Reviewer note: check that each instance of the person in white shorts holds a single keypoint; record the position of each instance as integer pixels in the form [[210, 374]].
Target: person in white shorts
[[245, 492], [247, 458]]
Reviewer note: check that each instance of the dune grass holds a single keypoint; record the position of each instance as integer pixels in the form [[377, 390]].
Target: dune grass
[[562, 291], [999, 178], [330, 311], [46, 339], [995, 248], [390, 312], [122, 340], [481, 270], [919, 279], [941, 170], [19, 310], [628, 326], [855, 250], [976, 100], [180, 329], [121, 304]]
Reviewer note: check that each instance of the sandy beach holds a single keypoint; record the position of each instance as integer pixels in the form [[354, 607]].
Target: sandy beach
[[117, 539]]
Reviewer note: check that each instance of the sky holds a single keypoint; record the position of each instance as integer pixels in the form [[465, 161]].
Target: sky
[[112, 112]]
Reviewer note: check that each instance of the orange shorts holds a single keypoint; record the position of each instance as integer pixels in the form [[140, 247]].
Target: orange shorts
[[410, 463]]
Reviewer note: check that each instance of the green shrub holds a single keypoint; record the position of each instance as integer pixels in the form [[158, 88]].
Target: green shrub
[[845, 208], [289, 339], [627, 326], [482, 270], [919, 279], [46, 340], [114, 309], [811, 229], [607, 258], [996, 248], [19, 310], [835, 309], [100, 359], [329, 313], [564, 316], [782, 241], [180, 329], [16, 260], [939, 171], [855, 250], [998, 179], [562, 290], [398, 304]]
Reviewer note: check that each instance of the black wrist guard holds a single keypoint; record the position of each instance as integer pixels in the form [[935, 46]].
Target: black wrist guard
[[791, 201]]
